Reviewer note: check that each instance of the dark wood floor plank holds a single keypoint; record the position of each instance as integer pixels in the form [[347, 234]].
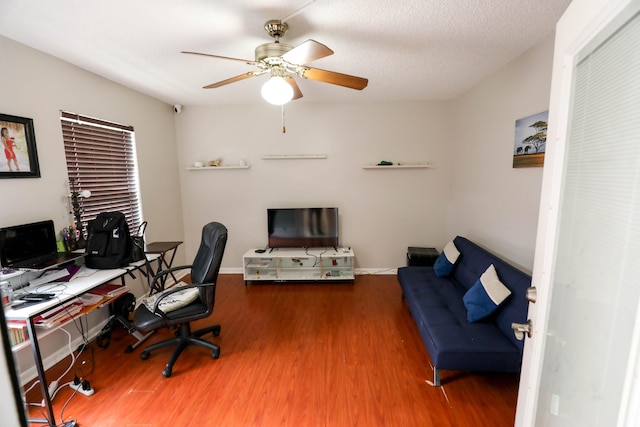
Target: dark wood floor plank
[[292, 355]]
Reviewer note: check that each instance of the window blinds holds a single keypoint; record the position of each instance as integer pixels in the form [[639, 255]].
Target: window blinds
[[596, 269], [101, 158]]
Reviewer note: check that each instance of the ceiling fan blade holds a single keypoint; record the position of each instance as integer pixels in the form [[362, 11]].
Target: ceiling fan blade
[[235, 79], [246, 61], [334, 78], [297, 93], [306, 52]]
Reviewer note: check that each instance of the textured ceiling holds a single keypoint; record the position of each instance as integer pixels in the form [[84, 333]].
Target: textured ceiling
[[409, 50]]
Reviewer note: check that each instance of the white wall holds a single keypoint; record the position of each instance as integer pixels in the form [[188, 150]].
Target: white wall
[[381, 211], [471, 189], [38, 86], [468, 143], [492, 203]]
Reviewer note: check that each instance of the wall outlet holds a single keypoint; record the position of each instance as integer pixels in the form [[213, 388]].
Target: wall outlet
[[554, 407]]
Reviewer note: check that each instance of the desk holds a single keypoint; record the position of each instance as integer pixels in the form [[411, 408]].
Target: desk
[[72, 289], [161, 249]]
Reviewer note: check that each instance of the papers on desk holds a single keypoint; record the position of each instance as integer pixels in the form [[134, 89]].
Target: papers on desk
[[49, 276], [63, 274], [110, 290], [85, 271], [99, 296], [89, 299], [60, 314]]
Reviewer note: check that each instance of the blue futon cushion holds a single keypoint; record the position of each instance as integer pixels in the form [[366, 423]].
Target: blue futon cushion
[[485, 296], [446, 260]]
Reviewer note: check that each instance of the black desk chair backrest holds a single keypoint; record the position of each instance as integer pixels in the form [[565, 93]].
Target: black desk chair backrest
[[204, 276], [206, 264]]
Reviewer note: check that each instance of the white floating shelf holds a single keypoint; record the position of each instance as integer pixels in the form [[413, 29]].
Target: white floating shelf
[[208, 168], [399, 166], [293, 156]]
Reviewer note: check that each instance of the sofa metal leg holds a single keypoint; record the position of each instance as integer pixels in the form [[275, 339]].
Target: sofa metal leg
[[436, 378]]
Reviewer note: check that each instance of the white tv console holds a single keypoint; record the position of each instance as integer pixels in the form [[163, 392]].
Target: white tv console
[[291, 264]]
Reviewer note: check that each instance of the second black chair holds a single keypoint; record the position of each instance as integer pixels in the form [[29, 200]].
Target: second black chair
[[204, 276]]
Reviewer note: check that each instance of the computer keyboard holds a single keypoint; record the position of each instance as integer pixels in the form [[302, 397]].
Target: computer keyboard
[[49, 276], [37, 297]]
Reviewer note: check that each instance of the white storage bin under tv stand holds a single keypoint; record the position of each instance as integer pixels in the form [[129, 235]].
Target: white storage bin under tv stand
[[298, 264]]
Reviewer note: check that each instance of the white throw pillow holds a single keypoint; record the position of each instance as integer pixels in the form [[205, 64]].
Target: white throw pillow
[[446, 261], [174, 301]]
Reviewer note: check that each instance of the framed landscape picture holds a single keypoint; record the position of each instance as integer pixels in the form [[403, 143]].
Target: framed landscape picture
[[19, 158], [530, 142]]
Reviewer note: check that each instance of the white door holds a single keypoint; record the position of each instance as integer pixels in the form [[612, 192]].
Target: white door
[[580, 367]]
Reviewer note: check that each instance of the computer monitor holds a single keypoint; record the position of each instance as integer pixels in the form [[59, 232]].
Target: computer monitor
[[28, 245]]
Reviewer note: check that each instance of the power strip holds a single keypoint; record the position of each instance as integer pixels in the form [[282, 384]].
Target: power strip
[[80, 389]]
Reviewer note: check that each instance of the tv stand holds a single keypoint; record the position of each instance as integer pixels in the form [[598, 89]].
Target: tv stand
[[299, 264]]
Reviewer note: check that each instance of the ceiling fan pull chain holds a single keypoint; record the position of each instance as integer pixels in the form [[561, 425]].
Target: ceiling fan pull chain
[[284, 128]]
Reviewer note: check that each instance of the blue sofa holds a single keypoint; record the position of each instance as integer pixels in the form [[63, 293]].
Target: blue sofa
[[436, 304]]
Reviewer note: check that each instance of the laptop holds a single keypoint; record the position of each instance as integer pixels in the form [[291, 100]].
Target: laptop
[[32, 246]]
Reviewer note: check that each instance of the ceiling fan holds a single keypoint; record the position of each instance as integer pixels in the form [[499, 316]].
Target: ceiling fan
[[283, 62]]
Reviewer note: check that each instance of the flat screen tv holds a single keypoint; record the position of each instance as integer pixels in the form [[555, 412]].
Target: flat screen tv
[[302, 227]]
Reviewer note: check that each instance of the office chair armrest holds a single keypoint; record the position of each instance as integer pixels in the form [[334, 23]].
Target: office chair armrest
[[160, 274], [170, 291]]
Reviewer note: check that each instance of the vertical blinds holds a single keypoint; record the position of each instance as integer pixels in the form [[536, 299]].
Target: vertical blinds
[[101, 158], [597, 264]]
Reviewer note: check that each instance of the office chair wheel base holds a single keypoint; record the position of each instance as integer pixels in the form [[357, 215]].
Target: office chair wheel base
[[166, 372], [215, 354], [216, 331], [144, 355]]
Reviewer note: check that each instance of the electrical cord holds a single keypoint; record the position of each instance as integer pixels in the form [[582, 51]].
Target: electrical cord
[[59, 289], [67, 402], [79, 326], [316, 258], [73, 359], [35, 383]]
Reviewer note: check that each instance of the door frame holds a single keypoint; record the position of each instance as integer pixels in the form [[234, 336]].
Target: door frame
[[585, 23]]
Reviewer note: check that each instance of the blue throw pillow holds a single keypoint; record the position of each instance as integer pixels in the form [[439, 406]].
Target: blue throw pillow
[[485, 296], [446, 260]]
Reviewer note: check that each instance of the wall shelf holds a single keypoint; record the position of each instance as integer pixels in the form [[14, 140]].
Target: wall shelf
[[293, 156], [208, 168], [399, 166]]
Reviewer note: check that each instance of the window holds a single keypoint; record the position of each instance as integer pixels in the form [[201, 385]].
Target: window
[[101, 158]]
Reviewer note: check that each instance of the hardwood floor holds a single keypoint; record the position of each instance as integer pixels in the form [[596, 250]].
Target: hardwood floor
[[291, 355]]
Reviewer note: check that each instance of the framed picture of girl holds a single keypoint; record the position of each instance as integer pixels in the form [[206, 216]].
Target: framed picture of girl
[[18, 155]]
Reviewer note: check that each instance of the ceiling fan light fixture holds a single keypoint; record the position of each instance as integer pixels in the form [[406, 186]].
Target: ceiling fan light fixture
[[277, 91]]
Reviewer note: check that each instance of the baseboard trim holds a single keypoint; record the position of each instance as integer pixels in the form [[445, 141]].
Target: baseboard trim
[[356, 271]]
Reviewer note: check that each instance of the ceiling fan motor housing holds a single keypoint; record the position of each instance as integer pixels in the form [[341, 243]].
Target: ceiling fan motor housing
[[276, 28], [271, 52]]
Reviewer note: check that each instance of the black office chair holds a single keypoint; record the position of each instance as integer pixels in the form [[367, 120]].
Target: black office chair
[[204, 275]]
